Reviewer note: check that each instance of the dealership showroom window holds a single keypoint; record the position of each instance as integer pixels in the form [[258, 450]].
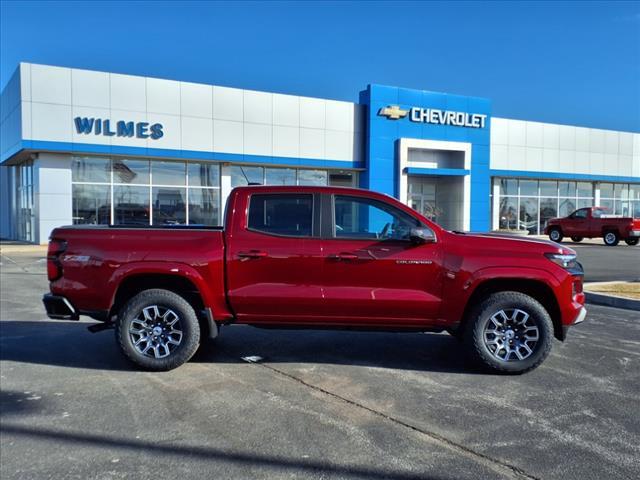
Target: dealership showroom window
[[124, 191]]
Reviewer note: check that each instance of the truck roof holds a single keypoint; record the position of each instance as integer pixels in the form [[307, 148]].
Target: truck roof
[[308, 189]]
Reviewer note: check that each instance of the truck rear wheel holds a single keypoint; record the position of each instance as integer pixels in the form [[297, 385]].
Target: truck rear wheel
[[611, 239], [631, 241], [509, 333], [158, 330], [555, 235]]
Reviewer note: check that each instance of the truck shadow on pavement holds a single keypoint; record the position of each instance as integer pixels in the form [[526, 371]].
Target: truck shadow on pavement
[[402, 351], [59, 343], [161, 453], [69, 344]]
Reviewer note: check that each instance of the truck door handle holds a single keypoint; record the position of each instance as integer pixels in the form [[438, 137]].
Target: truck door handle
[[343, 256], [252, 254]]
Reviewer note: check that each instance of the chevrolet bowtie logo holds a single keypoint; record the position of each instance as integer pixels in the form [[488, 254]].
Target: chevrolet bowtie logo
[[393, 112]]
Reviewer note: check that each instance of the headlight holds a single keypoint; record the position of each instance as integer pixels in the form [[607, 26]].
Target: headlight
[[565, 260]]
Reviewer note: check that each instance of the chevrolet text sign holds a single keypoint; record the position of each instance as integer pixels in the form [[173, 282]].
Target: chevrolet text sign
[[435, 116]]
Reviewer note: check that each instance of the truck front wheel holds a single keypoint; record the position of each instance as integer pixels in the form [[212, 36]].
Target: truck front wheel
[[509, 333], [158, 330]]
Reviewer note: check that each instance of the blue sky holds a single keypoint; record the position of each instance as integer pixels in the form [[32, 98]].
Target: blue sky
[[575, 63]]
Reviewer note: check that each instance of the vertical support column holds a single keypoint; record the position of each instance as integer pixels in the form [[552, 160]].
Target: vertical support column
[[466, 203], [52, 193], [225, 188], [596, 195], [495, 217]]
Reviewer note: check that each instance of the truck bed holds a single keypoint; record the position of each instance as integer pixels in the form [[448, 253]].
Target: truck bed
[[107, 257]]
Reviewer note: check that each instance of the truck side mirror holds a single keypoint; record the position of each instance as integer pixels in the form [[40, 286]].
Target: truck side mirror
[[420, 235]]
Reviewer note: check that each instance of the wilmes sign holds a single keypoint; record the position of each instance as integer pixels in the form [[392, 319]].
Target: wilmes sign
[[99, 126]]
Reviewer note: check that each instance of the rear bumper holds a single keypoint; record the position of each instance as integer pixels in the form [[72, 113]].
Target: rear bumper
[[634, 233], [59, 308]]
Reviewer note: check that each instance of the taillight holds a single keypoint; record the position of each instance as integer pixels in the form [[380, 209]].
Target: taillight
[[54, 267]]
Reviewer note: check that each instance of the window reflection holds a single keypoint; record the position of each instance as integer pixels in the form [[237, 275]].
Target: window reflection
[[312, 177], [244, 175], [134, 201], [280, 176], [529, 214], [130, 205], [509, 213], [91, 204], [90, 169], [130, 171], [548, 210], [169, 173], [537, 201], [204, 174], [204, 207], [169, 206]]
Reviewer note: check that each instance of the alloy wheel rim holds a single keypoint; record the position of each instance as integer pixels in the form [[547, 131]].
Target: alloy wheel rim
[[555, 235], [610, 238], [156, 332], [511, 335]]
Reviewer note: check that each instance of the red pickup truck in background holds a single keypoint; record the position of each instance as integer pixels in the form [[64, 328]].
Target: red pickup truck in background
[[315, 257], [594, 222]]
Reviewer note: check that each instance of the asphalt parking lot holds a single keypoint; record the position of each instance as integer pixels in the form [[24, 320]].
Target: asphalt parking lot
[[320, 405], [607, 264]]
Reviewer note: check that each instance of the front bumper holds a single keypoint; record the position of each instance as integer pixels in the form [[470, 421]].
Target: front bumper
[[580, 317], [59, 308]]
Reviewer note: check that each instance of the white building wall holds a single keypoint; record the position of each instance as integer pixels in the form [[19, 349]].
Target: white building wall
[[543, 147], [11, 119], [195, 117], [52, 193]]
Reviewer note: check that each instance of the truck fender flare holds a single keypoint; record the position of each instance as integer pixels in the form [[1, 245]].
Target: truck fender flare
[[160, 268], [610, 228], [506, 273]]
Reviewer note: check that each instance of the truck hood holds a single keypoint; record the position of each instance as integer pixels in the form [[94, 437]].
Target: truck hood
[[513, 243]]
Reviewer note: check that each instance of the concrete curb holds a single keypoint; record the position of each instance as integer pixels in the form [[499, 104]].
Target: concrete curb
[[599, 298]]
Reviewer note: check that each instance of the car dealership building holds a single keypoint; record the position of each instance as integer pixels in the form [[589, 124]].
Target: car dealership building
[[84, 147]]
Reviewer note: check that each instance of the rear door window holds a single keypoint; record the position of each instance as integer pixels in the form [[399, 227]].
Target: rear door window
[[282, 214]]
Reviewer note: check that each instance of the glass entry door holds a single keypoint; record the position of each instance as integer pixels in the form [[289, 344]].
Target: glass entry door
[[439, 198], [24, 201], [422, 197]]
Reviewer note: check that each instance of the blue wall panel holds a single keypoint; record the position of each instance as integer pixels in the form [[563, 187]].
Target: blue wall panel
[[383, 173]]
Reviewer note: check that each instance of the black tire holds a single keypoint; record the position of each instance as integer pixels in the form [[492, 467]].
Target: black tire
[[611, 238], [631, 241], [555, 235], [576, 239], [187, 323], [481, 316]]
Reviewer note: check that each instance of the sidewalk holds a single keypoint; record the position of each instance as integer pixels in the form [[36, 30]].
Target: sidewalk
[[11, 246]]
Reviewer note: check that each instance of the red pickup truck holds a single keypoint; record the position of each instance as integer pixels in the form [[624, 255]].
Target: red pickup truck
[[315, 257], [593, 222]]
